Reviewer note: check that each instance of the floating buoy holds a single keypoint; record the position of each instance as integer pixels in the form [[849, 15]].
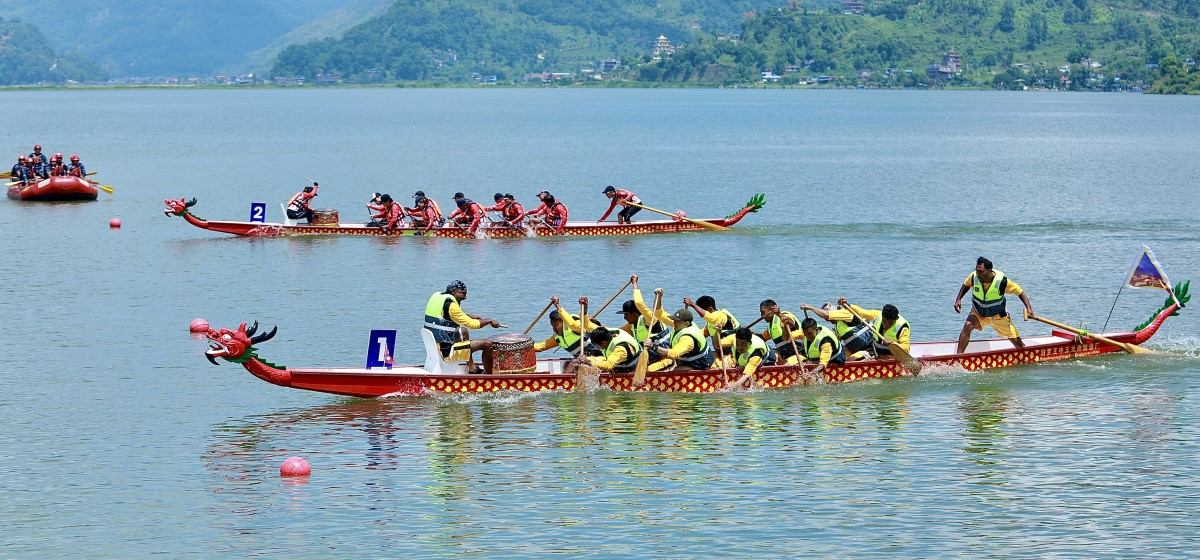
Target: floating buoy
[[114, 223], [295, 466], [198, 325]]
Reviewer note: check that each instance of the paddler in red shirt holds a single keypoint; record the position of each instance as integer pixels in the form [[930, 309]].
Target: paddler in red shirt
[[622, 197], [298, 207], [552, 212], [424, 213], [390, 212], [468, 212]]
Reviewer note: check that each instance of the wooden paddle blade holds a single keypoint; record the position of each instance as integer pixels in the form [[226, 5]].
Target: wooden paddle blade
[[643, 365], [106, 188], [905, 359], [701, 223], [1130, 348]]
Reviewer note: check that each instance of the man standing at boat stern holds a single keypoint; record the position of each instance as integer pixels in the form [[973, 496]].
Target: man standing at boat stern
[[445, 319], [988, 288]]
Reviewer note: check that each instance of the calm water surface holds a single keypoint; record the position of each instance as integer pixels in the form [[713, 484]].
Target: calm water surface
[[120, 440]]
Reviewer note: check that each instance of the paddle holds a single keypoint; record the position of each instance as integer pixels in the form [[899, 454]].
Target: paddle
[[898, 352], [1131, 348], [643, 364], [539, 317], [581, 370], [104, 188], [701, 223], [614, 296]]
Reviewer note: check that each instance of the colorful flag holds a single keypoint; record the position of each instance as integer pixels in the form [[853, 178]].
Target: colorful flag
[[1146, 273]]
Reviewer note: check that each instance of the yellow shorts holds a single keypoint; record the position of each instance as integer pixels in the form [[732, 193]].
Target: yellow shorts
[[460, 352], [1002, 325]]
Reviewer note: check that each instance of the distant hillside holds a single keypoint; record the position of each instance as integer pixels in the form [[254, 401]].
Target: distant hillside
[[167, 37], [437, 40], [1007, 43], [328, 25], [26, 57]]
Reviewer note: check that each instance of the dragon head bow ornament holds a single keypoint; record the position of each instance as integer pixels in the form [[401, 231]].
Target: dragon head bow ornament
[[235, 346], [178, 207]]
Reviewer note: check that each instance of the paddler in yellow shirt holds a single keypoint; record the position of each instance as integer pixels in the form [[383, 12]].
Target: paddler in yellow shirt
[[821, 345], [618, 350], [779, 325], [689, 347], [637, 315], [988, 288], [748, 352], [855, 334], [566, 330], [891, 325]]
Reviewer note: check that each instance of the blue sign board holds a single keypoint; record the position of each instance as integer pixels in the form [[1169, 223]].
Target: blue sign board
[[380, 349], [258, 212]]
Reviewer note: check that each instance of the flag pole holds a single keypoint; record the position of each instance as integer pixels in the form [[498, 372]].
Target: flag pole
[[1114, 306]]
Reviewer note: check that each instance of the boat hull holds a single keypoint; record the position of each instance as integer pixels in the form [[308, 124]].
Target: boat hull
[[490, 231], [552, 375], [55, 189]]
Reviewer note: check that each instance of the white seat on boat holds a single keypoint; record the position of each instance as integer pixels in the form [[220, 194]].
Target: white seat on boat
[[433, 357], [286, 220]]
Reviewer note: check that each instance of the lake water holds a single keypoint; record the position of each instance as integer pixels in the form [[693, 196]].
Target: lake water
[[120, 440]]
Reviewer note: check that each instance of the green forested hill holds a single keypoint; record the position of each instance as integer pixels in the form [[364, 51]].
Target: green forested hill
[[26, 57], [1005, 43], [451, 39], [166, 37]]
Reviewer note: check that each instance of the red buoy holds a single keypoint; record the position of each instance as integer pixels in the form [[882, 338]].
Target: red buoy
[[114, 223], [295, 466], [198, 325]]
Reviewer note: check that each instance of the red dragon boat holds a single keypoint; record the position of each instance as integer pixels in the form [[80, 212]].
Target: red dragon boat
[[183, 207], [55, 188], [440, 377]]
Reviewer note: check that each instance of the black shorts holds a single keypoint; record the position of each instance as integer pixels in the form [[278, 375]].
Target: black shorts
[[628, 212]]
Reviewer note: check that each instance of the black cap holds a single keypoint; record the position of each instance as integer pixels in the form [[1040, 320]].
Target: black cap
[[609, 189], [628, 307], [509, 196], [308, 189], [373, 197], [555, 315], [459, 195], [547, 193], [498, 196], [418, 194]]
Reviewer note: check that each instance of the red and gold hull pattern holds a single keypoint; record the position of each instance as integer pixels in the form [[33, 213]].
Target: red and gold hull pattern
[[414, 381]]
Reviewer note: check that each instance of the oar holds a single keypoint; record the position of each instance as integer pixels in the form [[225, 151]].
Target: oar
[[614, 296], [104, 188], [580, 368], [1131, 348], [700, 223], [539, 317], [639, 373], [898, 352]]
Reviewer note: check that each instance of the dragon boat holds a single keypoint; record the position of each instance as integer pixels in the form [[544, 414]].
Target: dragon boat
[[55, 188], [328, 224], [439, 377]]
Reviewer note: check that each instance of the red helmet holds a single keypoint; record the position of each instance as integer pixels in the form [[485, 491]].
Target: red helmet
[[37, 147], [58, 155], [74, 157], [28, 159]]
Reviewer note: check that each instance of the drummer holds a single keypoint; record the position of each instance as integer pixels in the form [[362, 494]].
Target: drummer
[[567, 334], [448, 323]]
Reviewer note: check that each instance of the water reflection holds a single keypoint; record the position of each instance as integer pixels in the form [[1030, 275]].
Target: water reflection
[[984, 411]]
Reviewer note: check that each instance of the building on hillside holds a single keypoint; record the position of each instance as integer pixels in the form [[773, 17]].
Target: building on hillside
[[608, 65], [330, 79], [950, 67], [663, 48], [852, 7]]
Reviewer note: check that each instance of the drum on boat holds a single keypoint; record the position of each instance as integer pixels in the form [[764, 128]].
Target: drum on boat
[[325, 217], [512, 353]]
